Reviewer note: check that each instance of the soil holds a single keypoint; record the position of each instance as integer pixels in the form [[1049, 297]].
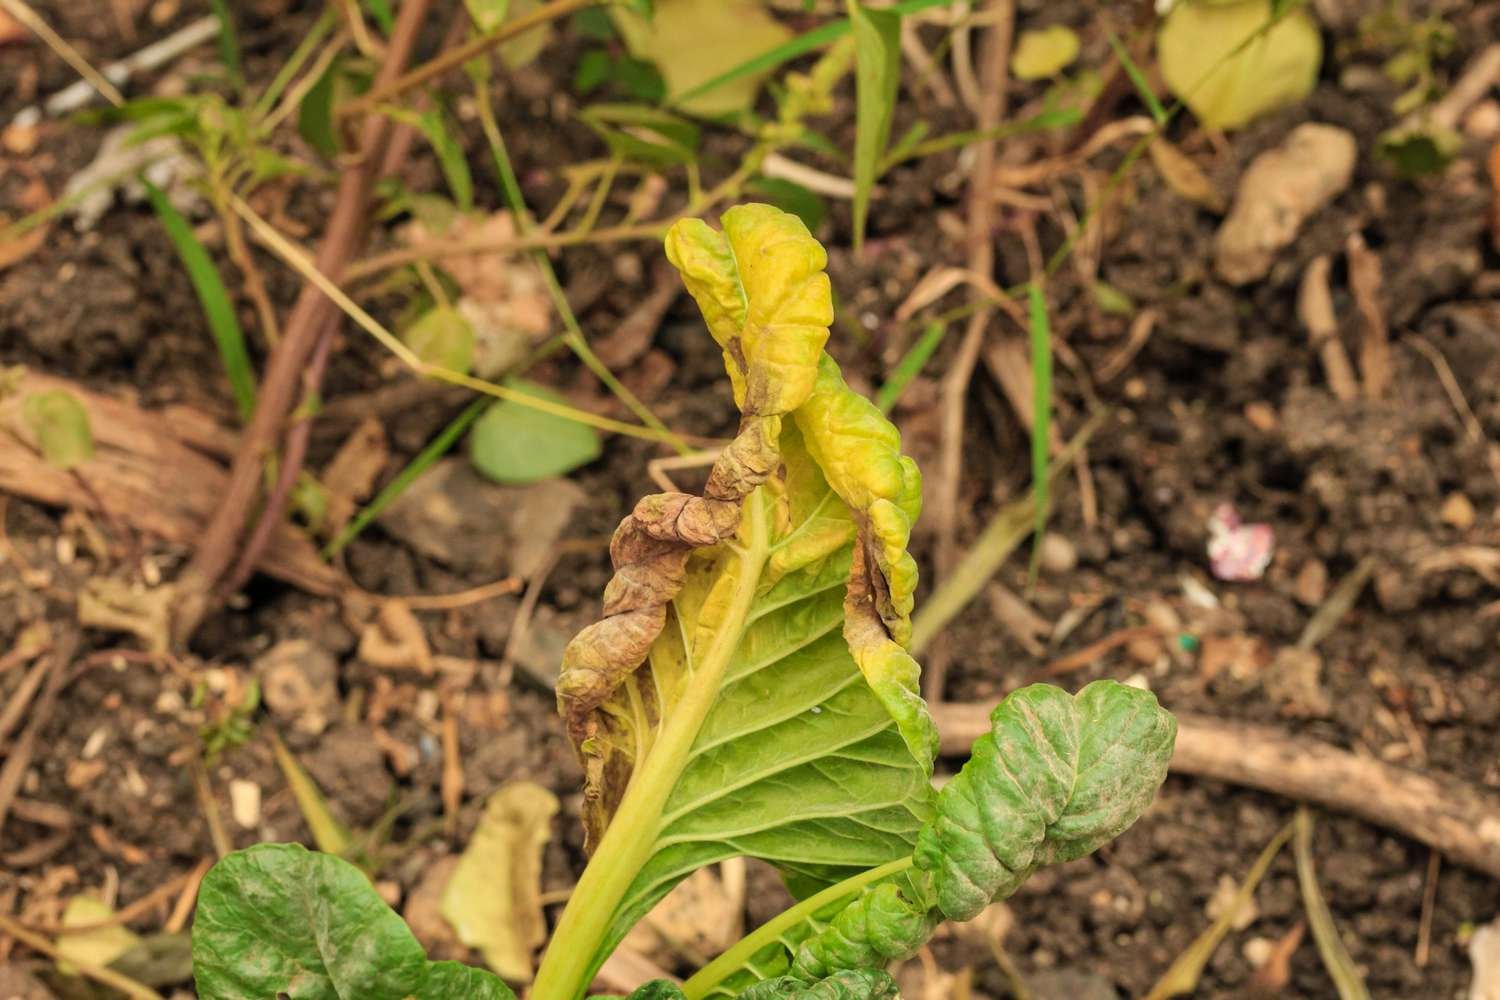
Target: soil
[[1226, 402]]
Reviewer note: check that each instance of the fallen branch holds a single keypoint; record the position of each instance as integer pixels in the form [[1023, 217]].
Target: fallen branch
[[150, 472], [1446, 813]]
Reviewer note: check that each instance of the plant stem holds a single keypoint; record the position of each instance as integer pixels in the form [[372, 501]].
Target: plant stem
[[310, 316], [631, 837], [731, 961], [384, 90]]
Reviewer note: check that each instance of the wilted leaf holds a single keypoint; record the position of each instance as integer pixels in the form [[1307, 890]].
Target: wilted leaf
[[97, 947], [493, 899], [1196, 47], [1044, 52], [328, 833], [61, 426], [442, 337], [516, 444], [1185, 177], [692, 41]]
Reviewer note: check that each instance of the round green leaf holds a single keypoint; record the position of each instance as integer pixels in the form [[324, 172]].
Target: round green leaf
[[516, 444], [444, 338], [61, 426], [1226, 86]]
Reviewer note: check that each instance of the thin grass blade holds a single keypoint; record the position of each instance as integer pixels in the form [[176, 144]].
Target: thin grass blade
[[213, 297], [1041, 416], [911, 365], [1336, 959], [877, 63]]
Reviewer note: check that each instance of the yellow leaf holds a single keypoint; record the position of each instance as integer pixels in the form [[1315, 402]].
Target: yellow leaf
[[1186, 177], [1227, 89], [97, 947], [493, 899], [693, 41], [1044, 52]]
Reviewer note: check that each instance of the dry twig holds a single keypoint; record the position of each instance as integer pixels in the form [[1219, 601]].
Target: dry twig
[[1315, 310], [1443, 812], [1375, 349]]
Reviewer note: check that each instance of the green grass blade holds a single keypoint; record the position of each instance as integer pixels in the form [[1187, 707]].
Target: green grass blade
[[1137, 77], [877, 62], [436, 449], [1041, 415], [229, 42], [801, 45], [910, 365], [213, 296], [1058, 118]]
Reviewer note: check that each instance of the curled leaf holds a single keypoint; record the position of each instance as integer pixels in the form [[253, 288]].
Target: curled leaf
[[1057, 776]]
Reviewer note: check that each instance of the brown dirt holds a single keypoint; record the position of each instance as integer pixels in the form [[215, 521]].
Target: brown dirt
[[1411, 674]]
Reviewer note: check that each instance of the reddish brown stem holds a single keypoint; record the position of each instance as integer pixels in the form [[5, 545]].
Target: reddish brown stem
[[312, 314]]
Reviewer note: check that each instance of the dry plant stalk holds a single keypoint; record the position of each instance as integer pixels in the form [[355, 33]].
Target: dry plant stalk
[[1315, 310], [1365, 280]]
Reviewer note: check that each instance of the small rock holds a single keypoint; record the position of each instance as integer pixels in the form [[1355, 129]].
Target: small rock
[[1058, 554], [1144, 649], [1262, 416], [1483, 121], [1295, 682], [1458, 511], [299, 683], [1258, 950], [244, 803], [1311, 585], [457, 517], [1240, 656], [1281, 188], [1223, 898]]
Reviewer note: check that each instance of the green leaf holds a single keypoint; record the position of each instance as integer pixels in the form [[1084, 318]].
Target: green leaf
[[910, 365], [450, 154], [1419, 151], [789, 196], [218, 309], [1041, 414], [315, 114], [746, 693], [1057, 776], [594, 70], [877, 60], [487, 14], [689, 40], [380, 10], [442, 337], [643, 135], [1044, 52], [61, 426], [229, 43], [1231, 63], [516, 444], [1139, 80], [852, 984], [279, 920]]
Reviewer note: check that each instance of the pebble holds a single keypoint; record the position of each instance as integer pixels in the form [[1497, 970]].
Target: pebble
[[1058, 555], [244, 803], [1262, 416], [1458, 512], [1311, 585]]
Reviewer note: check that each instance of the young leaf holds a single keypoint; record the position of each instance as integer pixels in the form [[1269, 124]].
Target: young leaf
[[877, 60], [516, 444], [380, 10], [747, 692], [1044, 52], [442, 337], [315, 113], [61, 426], [279, 920], [218, 309], [1057, 776]]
